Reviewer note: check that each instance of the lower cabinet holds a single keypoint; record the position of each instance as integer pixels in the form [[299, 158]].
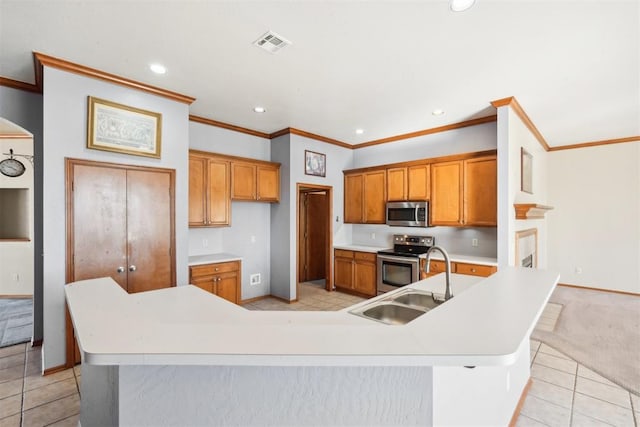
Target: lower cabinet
[[222, 279], [436, 266], [355, 272]]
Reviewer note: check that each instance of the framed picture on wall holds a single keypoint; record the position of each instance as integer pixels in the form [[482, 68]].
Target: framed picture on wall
[[123, 129], [315, 163], [526, 171]]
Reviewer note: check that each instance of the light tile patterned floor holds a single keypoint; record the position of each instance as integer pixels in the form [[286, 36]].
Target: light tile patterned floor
[[564, 393]]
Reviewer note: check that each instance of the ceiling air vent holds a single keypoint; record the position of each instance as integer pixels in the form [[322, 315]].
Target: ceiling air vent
[[271, 42]]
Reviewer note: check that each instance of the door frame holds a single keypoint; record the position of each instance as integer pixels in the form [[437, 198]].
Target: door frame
[[70, 163], [305, 188]]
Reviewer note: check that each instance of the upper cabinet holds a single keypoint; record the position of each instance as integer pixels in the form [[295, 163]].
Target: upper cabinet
[[215, 180], [409, 183], [464, 192], [209, 202], [365, 197], [461, 189], [255, 181]]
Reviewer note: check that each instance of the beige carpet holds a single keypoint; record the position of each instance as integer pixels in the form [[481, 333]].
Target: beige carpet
[[600, 330]]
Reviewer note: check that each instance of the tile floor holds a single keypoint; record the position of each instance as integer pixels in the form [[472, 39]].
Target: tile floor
[[564, 393]]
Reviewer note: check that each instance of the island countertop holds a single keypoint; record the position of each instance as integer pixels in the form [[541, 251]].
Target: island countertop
[[483, 325]]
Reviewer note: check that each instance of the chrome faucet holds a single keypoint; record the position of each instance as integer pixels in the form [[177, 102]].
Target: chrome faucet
[[447, 293]]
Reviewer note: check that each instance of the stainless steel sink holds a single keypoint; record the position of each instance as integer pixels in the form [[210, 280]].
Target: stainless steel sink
[[399, 308], [392, 314], [421, 300]]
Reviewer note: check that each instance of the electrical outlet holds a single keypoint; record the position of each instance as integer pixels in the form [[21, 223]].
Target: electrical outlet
[[578, 270], [253, 239], [474, 243], [254, 279], [373, 236], [15, 277], [205, 243]]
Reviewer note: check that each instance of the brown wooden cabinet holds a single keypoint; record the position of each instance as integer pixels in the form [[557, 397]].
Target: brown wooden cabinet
[[209, 185], [355, 272], [464, 192], [437, 266], [255, 181], [408, 183], [365, 197], [222, 279]]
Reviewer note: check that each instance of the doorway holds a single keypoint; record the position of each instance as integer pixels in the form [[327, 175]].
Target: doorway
[[314, 235]]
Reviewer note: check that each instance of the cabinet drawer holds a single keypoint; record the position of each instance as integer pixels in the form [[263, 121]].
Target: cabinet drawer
[[475, 270], [343, 254], [211, 269], [365, 256], [436, 266]]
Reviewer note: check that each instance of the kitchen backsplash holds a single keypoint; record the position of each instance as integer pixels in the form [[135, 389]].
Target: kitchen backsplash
[[454, 240]]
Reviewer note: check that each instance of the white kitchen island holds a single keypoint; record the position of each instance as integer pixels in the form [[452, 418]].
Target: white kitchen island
[[181, 356]]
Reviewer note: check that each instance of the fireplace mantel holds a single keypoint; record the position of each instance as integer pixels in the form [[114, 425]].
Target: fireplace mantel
[[531, 210]]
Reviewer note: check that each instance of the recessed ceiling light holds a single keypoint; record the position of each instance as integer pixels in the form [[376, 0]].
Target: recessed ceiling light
[[359, 131], [460, 5], [158, 68], [437, 112], [259, 109]]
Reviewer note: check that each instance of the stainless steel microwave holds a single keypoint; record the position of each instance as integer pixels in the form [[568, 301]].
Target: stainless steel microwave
[[408, 214]]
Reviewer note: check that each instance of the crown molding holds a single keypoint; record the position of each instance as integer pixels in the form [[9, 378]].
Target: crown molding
[[596, 143], [61, 64], [16, 84], [513, 103], [445, 128], [317, 137], [228, 126]]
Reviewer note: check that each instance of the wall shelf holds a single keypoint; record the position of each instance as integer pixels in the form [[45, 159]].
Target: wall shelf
[[531, 210]]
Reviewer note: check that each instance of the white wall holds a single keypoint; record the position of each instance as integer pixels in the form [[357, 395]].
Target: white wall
[[290, 151], [65, 129], [595, 225], [17, 258], [512, 136], [248, 219], [457, 141]]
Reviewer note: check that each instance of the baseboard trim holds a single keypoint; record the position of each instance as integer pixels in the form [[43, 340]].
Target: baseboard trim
[[612, 291], [284, 299], [254, 299], [54, 370], [36, 343], [523, 397], [30, 296]]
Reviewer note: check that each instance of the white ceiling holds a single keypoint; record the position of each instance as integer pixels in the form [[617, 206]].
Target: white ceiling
[[383, 66]]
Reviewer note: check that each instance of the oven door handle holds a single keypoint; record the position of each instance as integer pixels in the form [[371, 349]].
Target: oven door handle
[[412, 260]]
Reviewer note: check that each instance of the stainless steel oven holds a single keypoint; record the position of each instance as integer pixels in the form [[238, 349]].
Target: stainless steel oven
[[400, 266]]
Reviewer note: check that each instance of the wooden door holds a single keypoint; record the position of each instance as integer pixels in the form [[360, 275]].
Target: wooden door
[[197, 191], [99, 237], [343, 272], [227, 286], [396, 184], [219, 187], [418, 182], [364, 277], [446, 193], [353, 209], [268, 178], [243, 181], [316, 242], [150, 230], [374, 196], [481, 191]]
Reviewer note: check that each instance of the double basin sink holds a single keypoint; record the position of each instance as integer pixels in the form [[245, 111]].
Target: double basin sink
[[399, 308]]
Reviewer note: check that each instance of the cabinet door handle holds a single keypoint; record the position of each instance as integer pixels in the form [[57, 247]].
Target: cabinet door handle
[[132, 267], [216, 269], [473, 270], [120, 269]]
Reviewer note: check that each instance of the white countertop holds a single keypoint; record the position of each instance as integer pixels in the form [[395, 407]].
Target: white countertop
[[470, 259], [211, 258], [360, 248], [484, 324]]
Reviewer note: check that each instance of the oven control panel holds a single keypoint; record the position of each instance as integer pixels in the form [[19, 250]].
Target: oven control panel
[[404, 239]]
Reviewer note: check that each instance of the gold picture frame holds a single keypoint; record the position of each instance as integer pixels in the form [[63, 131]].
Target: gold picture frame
[[122, 129], [526, 171]]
